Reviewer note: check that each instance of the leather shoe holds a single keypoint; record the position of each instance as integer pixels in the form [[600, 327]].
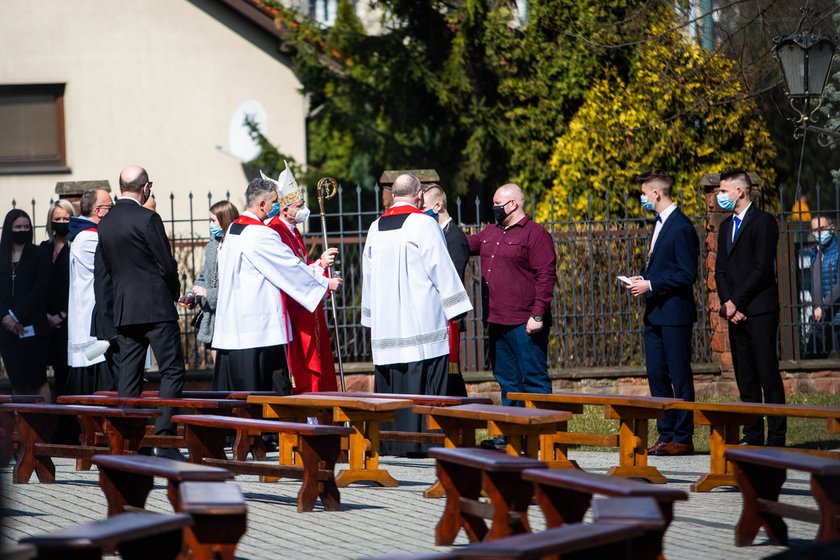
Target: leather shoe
[[169, 453], [655, 447], [673, 448]]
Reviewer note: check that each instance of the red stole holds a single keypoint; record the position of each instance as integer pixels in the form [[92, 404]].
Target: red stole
[[248, 220], [399, 210]]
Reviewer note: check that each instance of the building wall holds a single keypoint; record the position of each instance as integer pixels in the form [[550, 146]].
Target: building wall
[[151, 82]]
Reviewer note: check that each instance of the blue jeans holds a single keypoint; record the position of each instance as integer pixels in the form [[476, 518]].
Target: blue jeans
[[519, 360]]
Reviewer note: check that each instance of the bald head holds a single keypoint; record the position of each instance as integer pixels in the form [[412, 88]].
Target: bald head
[[406, 185], [133, 178], [508, 204]]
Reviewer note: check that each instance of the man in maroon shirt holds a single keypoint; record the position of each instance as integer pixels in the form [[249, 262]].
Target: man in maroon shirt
[[518, 273]]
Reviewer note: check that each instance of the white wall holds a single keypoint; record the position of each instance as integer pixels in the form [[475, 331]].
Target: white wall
[[151, 82]]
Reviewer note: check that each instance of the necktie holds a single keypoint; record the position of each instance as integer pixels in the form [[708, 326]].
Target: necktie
[[737, 221]]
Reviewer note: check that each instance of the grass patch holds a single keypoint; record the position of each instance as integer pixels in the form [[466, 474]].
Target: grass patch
[[802, 432]]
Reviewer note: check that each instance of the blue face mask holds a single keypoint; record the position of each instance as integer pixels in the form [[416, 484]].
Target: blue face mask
[[431, 212], [725, 202], [650, 206], [216, 231], [824, 237], [275, 209]]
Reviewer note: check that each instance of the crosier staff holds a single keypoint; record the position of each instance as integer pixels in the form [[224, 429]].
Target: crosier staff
[[327, 188]]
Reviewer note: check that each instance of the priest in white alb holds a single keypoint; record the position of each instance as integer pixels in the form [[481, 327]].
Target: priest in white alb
[[252, 328], [410, 289], [86, 375]]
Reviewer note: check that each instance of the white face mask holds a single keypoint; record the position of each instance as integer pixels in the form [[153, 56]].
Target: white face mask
[[302, 214]]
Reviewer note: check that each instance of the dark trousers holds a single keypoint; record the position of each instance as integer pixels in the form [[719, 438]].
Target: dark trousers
[[519, 360], [668, 364], [426, 377], [756, 362], [130, 357]]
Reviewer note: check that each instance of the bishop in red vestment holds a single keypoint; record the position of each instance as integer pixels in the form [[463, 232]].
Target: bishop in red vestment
[[309, 353]]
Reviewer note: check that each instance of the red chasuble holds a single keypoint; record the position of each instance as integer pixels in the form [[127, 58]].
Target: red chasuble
[[309, 353]]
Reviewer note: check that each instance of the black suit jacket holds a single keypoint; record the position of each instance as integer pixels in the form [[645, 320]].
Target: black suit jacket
[[136, 252], [456, 244], [672, 271], [102, 321], [745, 270], [58, 291]]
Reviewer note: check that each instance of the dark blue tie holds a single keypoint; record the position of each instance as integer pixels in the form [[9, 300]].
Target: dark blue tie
[[737, 221]]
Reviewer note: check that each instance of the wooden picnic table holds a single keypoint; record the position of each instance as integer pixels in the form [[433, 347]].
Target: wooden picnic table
[[434, 438], [521, 426], [363, 415], [633, 415], [725, 421]]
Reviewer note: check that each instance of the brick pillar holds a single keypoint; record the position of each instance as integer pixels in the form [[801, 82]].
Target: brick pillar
[[714, 216]]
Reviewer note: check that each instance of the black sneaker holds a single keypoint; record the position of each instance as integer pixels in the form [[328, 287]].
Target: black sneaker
[[498, 443]]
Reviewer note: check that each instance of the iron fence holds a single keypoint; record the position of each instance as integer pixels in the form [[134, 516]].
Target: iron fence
[[595, 323]]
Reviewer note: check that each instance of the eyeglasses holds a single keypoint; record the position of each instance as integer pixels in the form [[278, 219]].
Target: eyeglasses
[[108, 206], [150, 183]]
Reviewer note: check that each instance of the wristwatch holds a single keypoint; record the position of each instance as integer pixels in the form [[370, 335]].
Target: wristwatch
[[537, 318]]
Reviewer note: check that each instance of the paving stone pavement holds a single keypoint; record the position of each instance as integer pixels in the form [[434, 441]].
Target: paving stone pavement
[[375, 521]]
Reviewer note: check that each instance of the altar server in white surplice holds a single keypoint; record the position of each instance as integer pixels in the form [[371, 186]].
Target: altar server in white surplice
[[85, 376], [410, 289], [252, 327]]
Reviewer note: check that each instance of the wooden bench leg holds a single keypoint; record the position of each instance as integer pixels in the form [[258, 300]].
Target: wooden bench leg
[[462, 485], [826, 492], [510, 496], [205, 443], [214, 537], [561, 506], [759, 483], [90, 426], [632, 452], [364, 463], [123, 489], [124, 434], [34, 429], [720, 470], [319, 455], [163, 546], [451, 435]]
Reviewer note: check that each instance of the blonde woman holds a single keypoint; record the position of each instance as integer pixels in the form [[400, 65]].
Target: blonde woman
[[58, 288]]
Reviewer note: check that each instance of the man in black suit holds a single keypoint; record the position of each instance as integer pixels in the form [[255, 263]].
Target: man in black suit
[[745, 273], [434, 204], [667, 285], [144, 276]]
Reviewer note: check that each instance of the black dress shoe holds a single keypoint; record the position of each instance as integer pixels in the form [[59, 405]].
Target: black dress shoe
[[169, 453]]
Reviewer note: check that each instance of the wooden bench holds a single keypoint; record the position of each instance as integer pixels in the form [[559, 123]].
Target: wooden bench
[[9, 438], [616, 541], [431, 400], [761, 473], [126, 480], [137, 536], [522, 427], [725, 421], [123, 429], [91, 431], [633, 414], [219, 516], [564, 495], [465, 474], [364, 416], [245, 443], [318, 448]]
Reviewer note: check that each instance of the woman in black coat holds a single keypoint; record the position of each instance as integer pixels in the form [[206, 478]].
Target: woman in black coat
[[24, 274], [58, 290]]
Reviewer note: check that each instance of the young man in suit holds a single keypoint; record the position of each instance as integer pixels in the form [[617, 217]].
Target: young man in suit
[[144, 276], [435, 205], [667, 285], [745, 274]]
